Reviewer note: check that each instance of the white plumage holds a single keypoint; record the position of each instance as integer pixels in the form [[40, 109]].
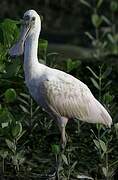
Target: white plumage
[[59, 93]]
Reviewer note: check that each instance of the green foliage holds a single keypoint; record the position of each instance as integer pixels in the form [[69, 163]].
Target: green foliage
[[104, 41], [114, 6], [8, 32], [55, 149], [10, 95], [86, 3], [72, 64], [17, 130], [96, 20], [99, 80]]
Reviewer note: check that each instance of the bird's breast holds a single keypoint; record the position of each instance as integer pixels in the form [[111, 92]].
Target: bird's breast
[[36, 90], [32, 87]]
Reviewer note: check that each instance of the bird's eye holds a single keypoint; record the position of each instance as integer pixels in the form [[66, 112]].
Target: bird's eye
[[26, 18], [33, 18]]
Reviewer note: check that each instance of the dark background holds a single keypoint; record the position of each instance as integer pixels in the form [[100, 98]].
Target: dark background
[[64, 21]]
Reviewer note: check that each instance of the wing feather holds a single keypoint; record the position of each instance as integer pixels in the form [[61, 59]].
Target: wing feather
[[73, 99]]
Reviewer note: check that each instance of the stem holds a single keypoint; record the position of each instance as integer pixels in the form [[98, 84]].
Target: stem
[[3, 165], [31, 111], [97, 34], [113, 24], [45, 57], [56, 158], [69, 172], [100, 85], [68, 175], [107, 167], [100, 90], [59, 163], [96, 28], [99, 128], [114, 32]]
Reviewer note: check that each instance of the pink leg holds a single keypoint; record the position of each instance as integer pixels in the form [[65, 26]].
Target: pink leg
[[62, 124]]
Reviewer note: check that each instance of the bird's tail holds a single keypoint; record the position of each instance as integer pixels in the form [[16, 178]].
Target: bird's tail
[[105, 117]]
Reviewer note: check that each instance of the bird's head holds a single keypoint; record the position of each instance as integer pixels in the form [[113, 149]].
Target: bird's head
[[31, 22], [31, 25]]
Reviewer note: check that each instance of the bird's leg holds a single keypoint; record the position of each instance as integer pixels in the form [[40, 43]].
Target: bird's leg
[[62, 125]]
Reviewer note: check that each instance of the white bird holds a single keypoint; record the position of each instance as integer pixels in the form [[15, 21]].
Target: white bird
[[60, 94]]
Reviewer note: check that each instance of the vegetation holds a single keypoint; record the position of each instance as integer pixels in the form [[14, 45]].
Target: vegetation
[[29, 137]]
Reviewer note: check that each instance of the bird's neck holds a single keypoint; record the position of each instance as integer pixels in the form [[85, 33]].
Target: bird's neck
[[30, 57], [30, 52]]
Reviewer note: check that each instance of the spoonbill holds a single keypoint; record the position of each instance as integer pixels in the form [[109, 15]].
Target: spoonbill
[[60, 94]]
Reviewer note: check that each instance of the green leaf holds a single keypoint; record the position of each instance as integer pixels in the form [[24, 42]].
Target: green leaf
[[11, 145], [116, 129], [12, 69], [71, 65], [5, 116], [17, 129], [2, 68], [5, 124], [108, 98], [95, 83], [24, 109], [114, 6], [55, 148], [89, 35], [114, 163], [94, 74], [106, 73], [111, 38], [106, 20], [84, 177], [21, 134], [96, 142], [3, 153], [73, 166], [116, 126], [104, 171], [107, 84], [52, 54], [9, 32], [99, 3], [64, 159], [116, 37], [18, 159], [103, 146], [23, 101], [43, 44], [96, 20], [10, 95], [27, 96], [86, 3]]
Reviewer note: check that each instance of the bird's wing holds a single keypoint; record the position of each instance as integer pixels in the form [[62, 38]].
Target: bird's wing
[[71, 98]]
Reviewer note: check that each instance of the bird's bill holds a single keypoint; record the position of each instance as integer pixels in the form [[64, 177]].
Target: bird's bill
[[18, 48]]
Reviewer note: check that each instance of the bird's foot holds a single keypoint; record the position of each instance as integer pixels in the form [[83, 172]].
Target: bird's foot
[[63, 145]]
